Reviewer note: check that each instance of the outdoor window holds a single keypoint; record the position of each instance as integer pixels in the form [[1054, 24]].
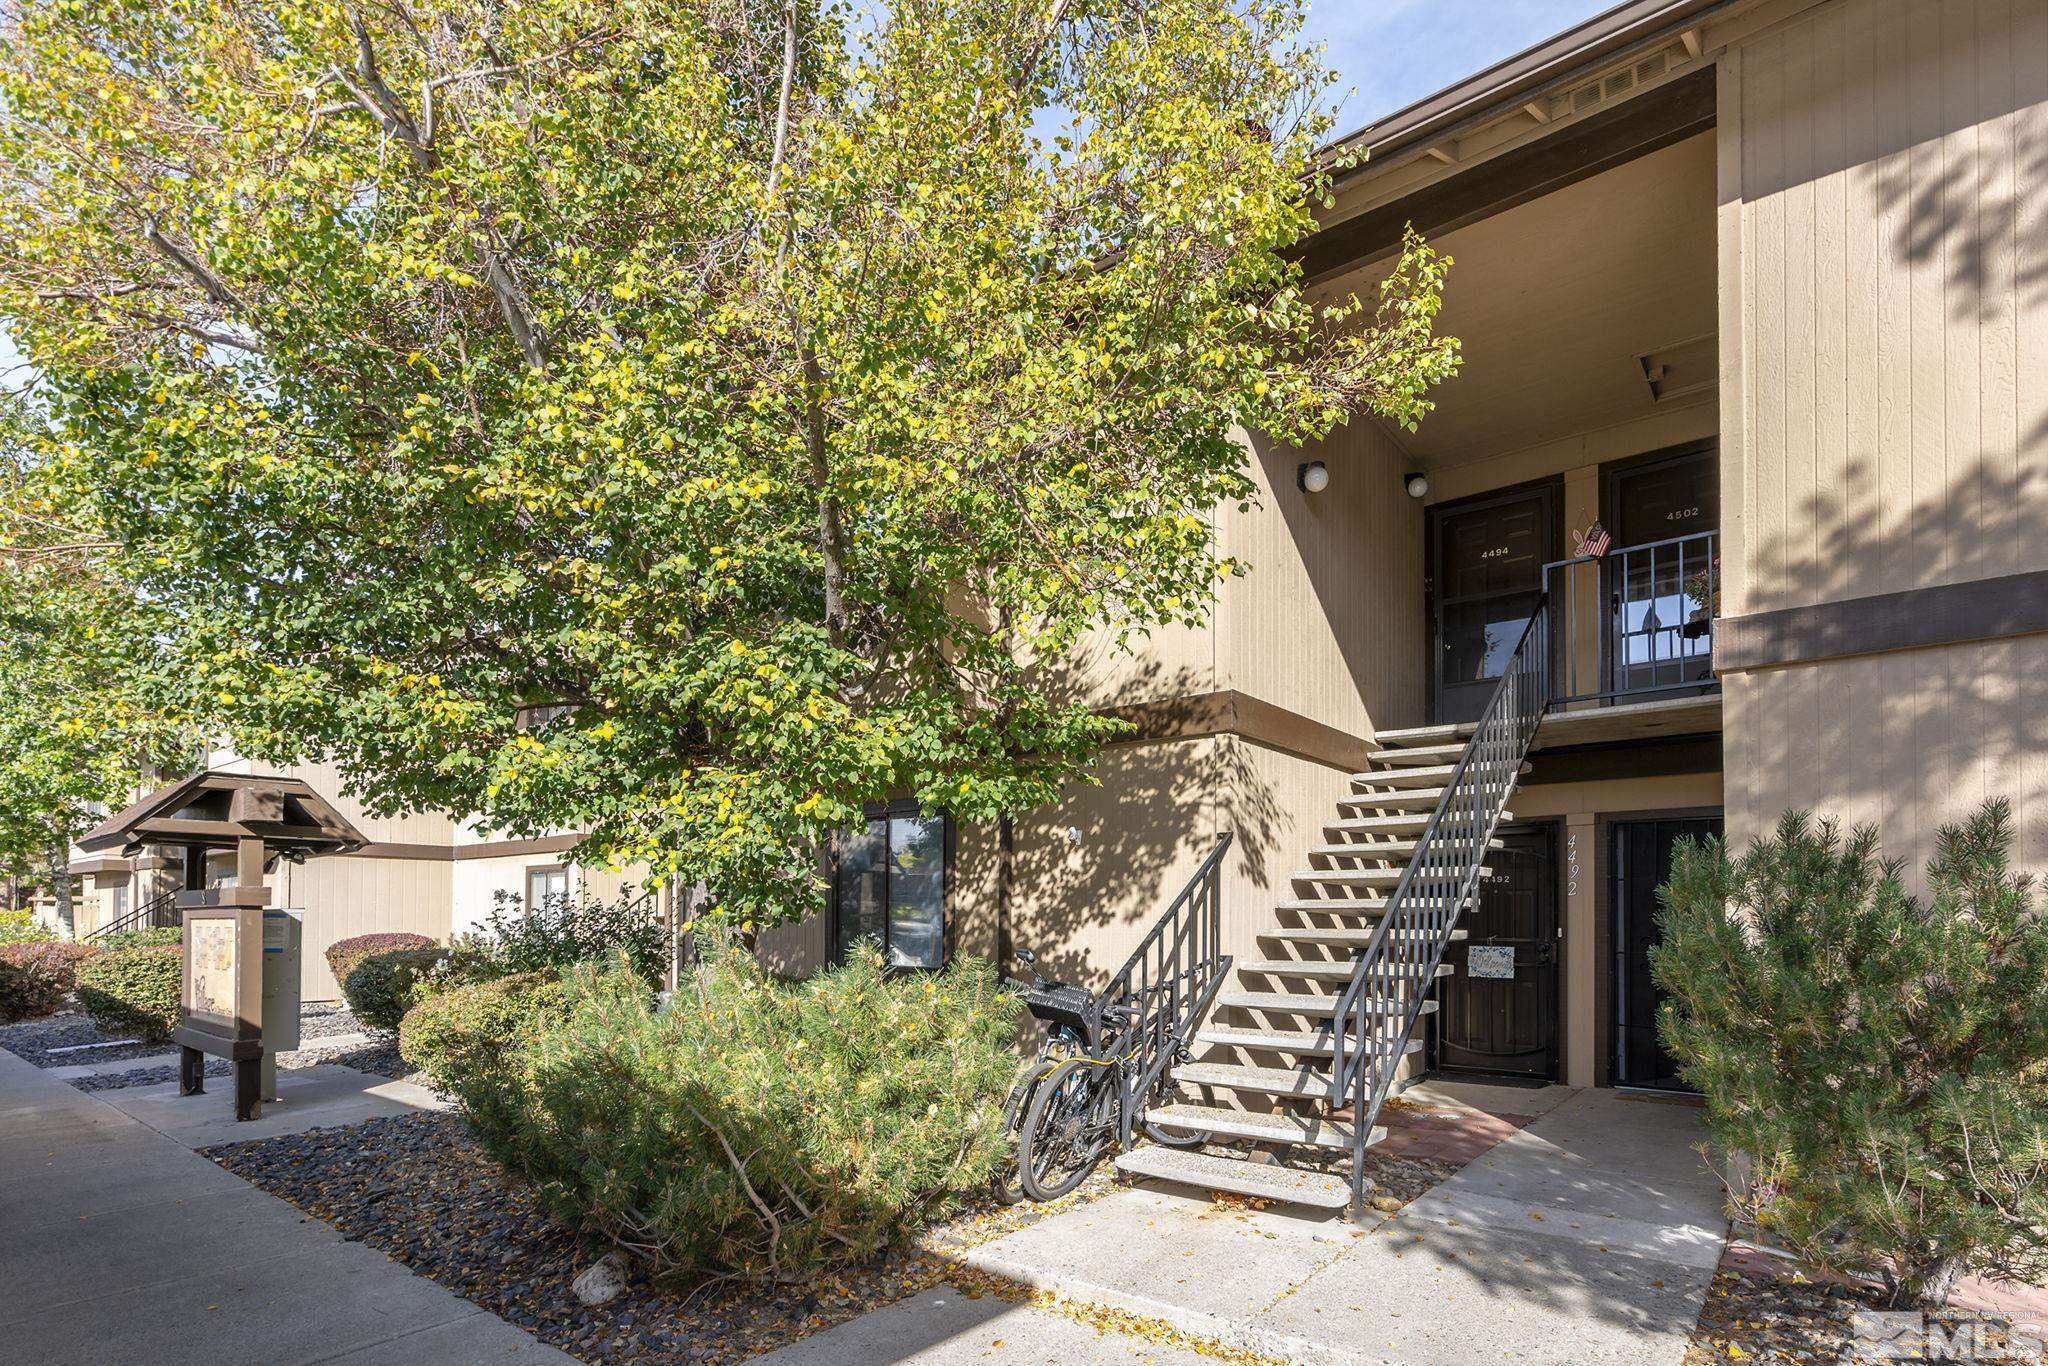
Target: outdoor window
[[547, 882], [890, 885], [117, 900]]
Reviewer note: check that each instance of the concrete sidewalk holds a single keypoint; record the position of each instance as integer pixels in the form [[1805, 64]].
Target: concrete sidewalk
[[121, 1244], [1588, 1236]]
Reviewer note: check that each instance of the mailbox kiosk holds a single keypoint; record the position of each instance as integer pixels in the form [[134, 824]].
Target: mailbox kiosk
[[233, 1001]]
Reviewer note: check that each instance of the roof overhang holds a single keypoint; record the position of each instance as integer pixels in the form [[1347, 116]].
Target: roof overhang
[[217, 810], [1529, 75]]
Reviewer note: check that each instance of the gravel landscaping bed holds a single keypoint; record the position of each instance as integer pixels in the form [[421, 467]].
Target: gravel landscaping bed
[[1775, 1315], [418, 1189], [39, 1041], [146, 1076]]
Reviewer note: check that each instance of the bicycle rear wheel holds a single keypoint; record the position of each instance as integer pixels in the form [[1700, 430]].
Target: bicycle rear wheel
[[1007, 1185], [1071, 1124]]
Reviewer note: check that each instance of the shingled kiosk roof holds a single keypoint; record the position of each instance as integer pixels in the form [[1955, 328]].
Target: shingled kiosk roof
[[216, 810]]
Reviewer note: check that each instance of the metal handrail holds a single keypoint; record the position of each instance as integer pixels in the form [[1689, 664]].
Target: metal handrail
[[1399, 962], [1168, 983], [1691, 568], [149, 913]]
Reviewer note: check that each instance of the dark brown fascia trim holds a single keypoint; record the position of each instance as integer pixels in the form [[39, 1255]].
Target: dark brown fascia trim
[[1599, 142], [1915, 619], [1516, 80], [97, 867], [1657, 757], [1230, 712], [444, 853]]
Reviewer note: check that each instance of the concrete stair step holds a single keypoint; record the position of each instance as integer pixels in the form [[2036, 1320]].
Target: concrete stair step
[[1311, 1082], [1446, 753], [1326, 971], [1428, 775], [1351, 938], [1420, 799], [1296, 1003], [1309, 1131], [1355, 877], [1425, 735], [1262, 1180], [1335, 905], [1393, 851], [1313, 1042]]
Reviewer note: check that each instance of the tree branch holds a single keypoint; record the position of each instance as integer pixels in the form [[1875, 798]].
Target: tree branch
[[782, 101], [191, 265]]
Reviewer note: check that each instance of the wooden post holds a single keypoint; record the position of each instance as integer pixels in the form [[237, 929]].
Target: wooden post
[[191, 1072]]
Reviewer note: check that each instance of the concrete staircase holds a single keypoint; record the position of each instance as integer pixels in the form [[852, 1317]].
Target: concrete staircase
[[1264, 1083]]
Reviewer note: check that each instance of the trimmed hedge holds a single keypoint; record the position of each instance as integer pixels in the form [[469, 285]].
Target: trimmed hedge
[[134, 991], [26, 991], [156, 936], [468, 1029], [55, 958], [343, 954], [379, 988]]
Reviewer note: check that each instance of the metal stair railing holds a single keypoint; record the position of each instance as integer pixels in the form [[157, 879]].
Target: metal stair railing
[[152, 914], [1168, 983], [1379, 1007]]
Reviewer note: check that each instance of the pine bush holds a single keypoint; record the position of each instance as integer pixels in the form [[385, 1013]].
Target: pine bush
[[1880, 1062], [753, 1128]]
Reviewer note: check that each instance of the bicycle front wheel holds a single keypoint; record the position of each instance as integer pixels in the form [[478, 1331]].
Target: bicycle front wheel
[[1070, 1126]]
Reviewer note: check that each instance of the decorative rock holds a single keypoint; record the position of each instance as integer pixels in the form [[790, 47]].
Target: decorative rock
[[603, 1280]]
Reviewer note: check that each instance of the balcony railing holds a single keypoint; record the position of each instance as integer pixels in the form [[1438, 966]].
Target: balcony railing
[[1635, 624]]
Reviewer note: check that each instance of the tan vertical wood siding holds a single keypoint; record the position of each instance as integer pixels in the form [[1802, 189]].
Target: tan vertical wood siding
[[1886, 178]]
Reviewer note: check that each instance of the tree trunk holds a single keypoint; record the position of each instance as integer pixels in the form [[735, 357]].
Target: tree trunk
[[1006, 872], [60, 885], [1928, 1284], [831, 536]]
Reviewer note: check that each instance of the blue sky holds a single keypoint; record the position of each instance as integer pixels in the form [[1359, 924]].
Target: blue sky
[[1391, 53]]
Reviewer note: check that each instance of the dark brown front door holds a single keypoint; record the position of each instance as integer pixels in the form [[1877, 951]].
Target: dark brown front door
[[1487, 556], [1642, 863], [1498, 1014]]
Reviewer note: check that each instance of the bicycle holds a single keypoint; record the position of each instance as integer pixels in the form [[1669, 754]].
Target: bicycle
[[1067, 1107]]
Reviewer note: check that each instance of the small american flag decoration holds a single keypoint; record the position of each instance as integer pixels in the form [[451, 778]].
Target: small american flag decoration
[[1593, 541]]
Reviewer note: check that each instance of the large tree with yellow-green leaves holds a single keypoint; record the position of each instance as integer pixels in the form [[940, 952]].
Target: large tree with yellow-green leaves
[[83, 721], [763, 380]]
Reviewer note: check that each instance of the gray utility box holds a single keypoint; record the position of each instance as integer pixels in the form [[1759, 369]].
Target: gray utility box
[[283, 933]]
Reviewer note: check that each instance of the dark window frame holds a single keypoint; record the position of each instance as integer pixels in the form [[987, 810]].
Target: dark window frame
[[901, 808]]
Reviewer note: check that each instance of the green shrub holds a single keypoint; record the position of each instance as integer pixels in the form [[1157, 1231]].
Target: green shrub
[[561, 931], [1880, 1063], [379, 988], [753, 1128], [155, 936], [57, 959], [467, 1029], [134, 991], [343, 954], [20, 927]]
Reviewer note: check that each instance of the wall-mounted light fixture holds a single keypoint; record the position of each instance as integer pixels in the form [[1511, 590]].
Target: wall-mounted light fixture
[[1416, 483], [1312, 477]]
